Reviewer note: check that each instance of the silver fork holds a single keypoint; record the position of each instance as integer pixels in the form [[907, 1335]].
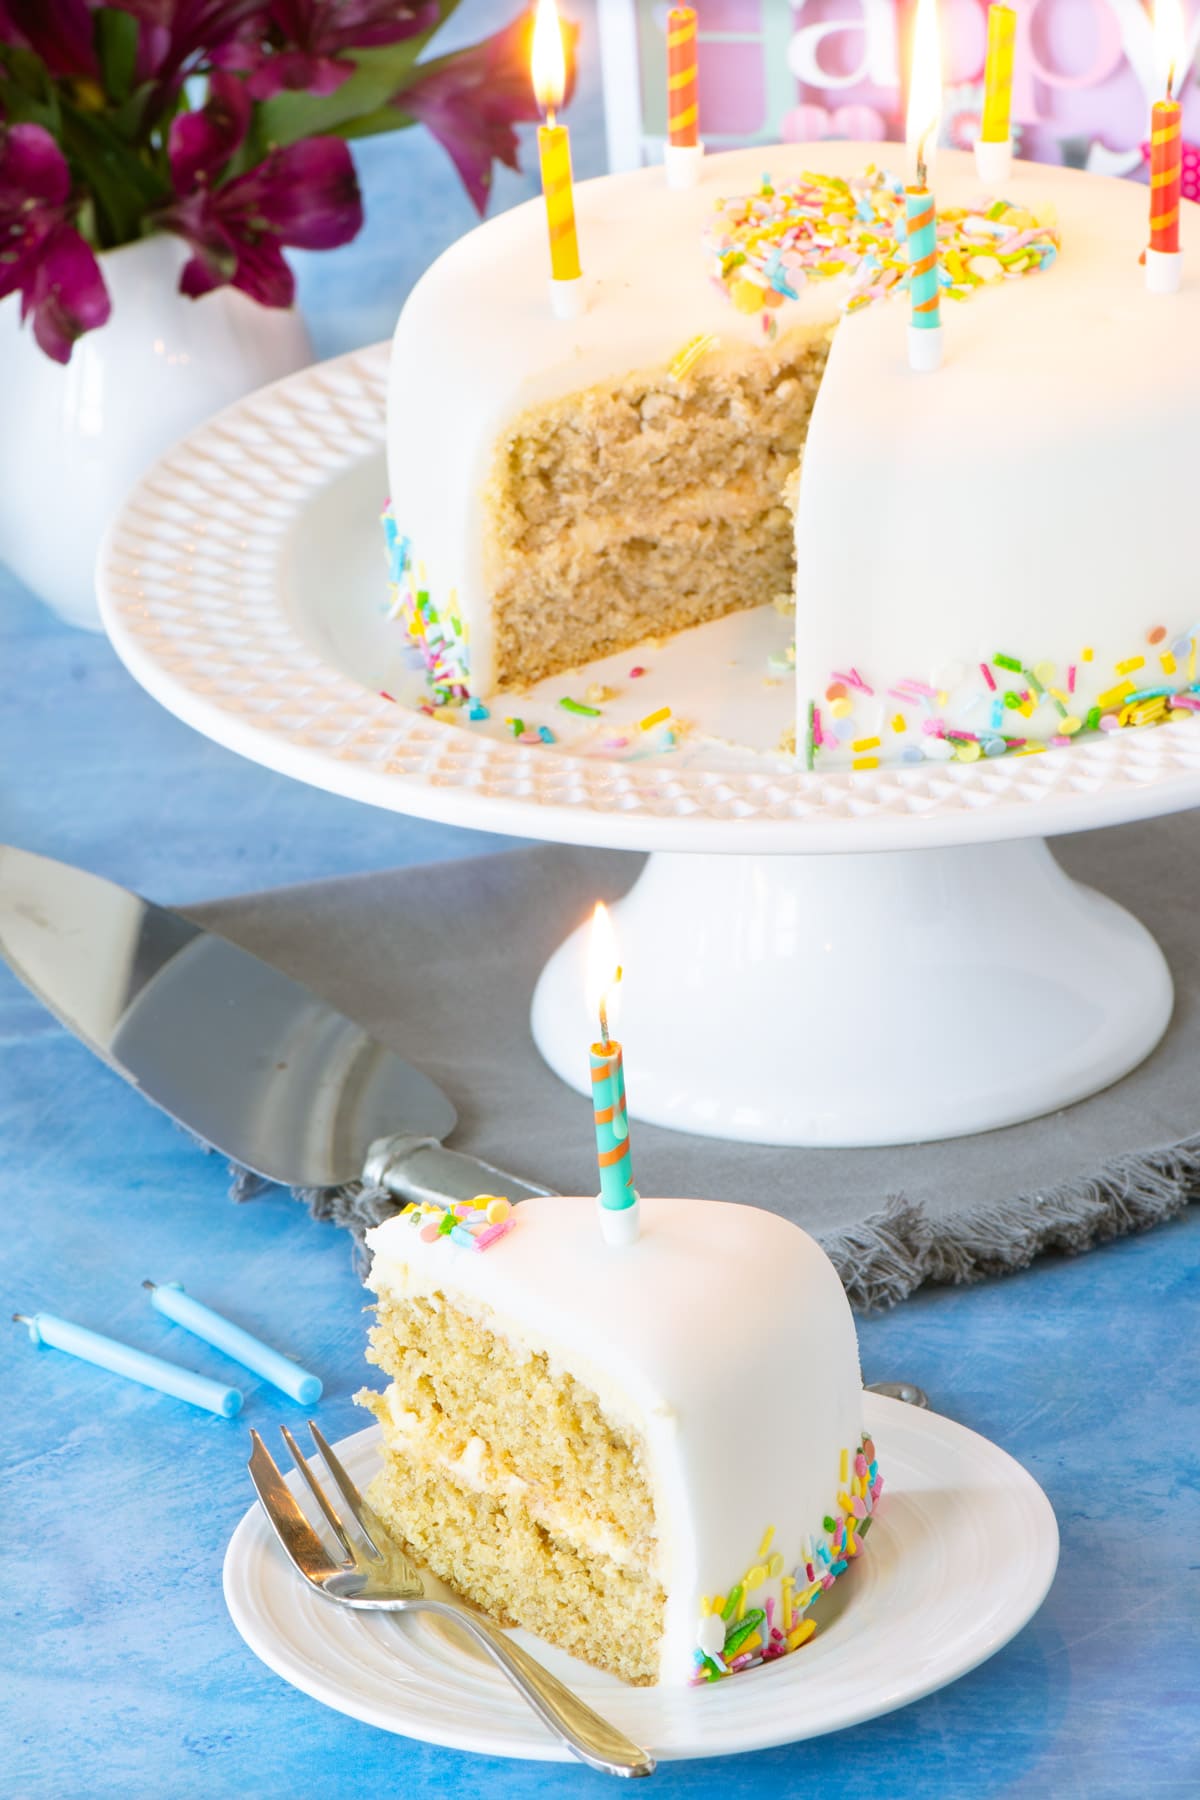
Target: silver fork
[[377, 1576]]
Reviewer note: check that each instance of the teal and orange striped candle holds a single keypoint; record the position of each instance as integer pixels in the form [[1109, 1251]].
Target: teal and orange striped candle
[[618, 1199], [611, 1113], [921, 214], [924, 111]]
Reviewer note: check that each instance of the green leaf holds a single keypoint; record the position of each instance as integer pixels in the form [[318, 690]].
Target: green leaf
[[27, 94], [123, 185], [117, 47], [372, 124], [378, 75]]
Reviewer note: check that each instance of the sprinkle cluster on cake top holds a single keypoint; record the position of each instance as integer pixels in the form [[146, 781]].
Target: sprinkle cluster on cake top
[[764, 248]]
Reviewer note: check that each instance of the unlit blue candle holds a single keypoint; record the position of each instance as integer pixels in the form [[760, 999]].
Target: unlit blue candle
[[135, 1365], [171, 1299]]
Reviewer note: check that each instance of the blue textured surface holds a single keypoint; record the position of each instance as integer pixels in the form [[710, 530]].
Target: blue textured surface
[[122, 1675]]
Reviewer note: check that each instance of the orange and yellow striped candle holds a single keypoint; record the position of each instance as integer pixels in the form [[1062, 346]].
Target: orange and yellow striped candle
[[1164, 262], [998, 75], [683, 96], [554, 153], [1166, 174]]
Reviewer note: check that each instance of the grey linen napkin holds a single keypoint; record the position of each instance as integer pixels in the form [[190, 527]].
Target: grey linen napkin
[[439, 962]]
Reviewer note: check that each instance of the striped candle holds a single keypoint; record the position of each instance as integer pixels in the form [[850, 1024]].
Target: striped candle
[[549, 70], [554, 151], [1166, 175], [998, 75], [683, 103], [612, 1126], [922, 257]]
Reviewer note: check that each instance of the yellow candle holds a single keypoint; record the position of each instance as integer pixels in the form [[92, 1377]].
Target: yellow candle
[[554, 149], [554, 144], [998, 75]]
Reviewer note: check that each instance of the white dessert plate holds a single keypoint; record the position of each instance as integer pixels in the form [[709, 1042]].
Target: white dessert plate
[[244, 585], [962, 1554]]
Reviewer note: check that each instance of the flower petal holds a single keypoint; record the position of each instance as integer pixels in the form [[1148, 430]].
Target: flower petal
[[201, 143], [295, 71], [263, 273], [197, 221], [306, 195], [33, 173], [60, 32], [471, 101], [67, 296]]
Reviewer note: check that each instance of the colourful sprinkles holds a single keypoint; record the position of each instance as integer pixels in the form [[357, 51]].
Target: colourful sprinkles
[[438, 636], [1048, 706], [764, 248], [474, 1224], [736, 1631]]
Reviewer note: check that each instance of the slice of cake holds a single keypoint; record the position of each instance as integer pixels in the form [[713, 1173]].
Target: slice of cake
[[652, 1457], [976, 555]]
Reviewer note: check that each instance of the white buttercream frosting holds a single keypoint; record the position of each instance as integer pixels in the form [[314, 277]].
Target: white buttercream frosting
[[723, 1337]]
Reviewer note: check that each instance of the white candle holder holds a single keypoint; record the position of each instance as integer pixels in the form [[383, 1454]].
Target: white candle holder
[[683, 163], [924, 348], [568, 299], [622, 1226], [1164, 271], [994, 161]]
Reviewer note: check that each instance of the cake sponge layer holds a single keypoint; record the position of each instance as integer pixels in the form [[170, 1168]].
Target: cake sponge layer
[[647, 505], [463, 1384], [492, 1551]]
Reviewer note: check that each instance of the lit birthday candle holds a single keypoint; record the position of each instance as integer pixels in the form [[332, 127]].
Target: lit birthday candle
[[993, 149], [924, 110], [684, 152], [618, 1201], [554, 152], [1164, 259]]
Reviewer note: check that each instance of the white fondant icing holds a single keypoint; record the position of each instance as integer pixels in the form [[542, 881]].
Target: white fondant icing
[[723, 1336]]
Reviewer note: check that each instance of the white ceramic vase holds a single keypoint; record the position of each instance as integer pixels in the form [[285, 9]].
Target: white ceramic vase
[[75, 438]]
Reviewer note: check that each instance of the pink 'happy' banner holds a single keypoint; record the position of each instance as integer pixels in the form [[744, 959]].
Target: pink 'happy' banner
[[1084, 75]]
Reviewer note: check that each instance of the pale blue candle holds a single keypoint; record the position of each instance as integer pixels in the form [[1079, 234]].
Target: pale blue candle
[[272, 1365], [136, 1365]]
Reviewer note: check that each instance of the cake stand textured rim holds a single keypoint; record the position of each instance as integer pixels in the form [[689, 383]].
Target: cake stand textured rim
[[193, 587], [430, 1691]]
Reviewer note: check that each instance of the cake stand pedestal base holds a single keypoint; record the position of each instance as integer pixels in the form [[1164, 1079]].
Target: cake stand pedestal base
[[855, 1000]]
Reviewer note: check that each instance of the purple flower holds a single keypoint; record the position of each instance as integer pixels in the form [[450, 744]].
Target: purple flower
[[472, 100], [305, 195], [59, 31], [178, 36], [42, 256], [304, 45], [175, 37]]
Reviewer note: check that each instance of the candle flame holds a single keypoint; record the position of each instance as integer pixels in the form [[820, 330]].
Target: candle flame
[[603, 970], [549, 58], [1170, 42], [924, 87]]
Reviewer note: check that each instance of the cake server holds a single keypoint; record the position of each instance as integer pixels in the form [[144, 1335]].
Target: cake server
[[230, 1047]]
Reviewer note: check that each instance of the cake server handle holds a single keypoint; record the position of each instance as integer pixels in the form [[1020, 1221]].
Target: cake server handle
[[592, 1739], [421, 1168]]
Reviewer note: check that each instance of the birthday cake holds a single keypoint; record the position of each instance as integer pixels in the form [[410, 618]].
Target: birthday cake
[[651, 1455], [982, 559]]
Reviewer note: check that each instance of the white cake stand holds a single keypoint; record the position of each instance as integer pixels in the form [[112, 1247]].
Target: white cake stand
[[841, 959]]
